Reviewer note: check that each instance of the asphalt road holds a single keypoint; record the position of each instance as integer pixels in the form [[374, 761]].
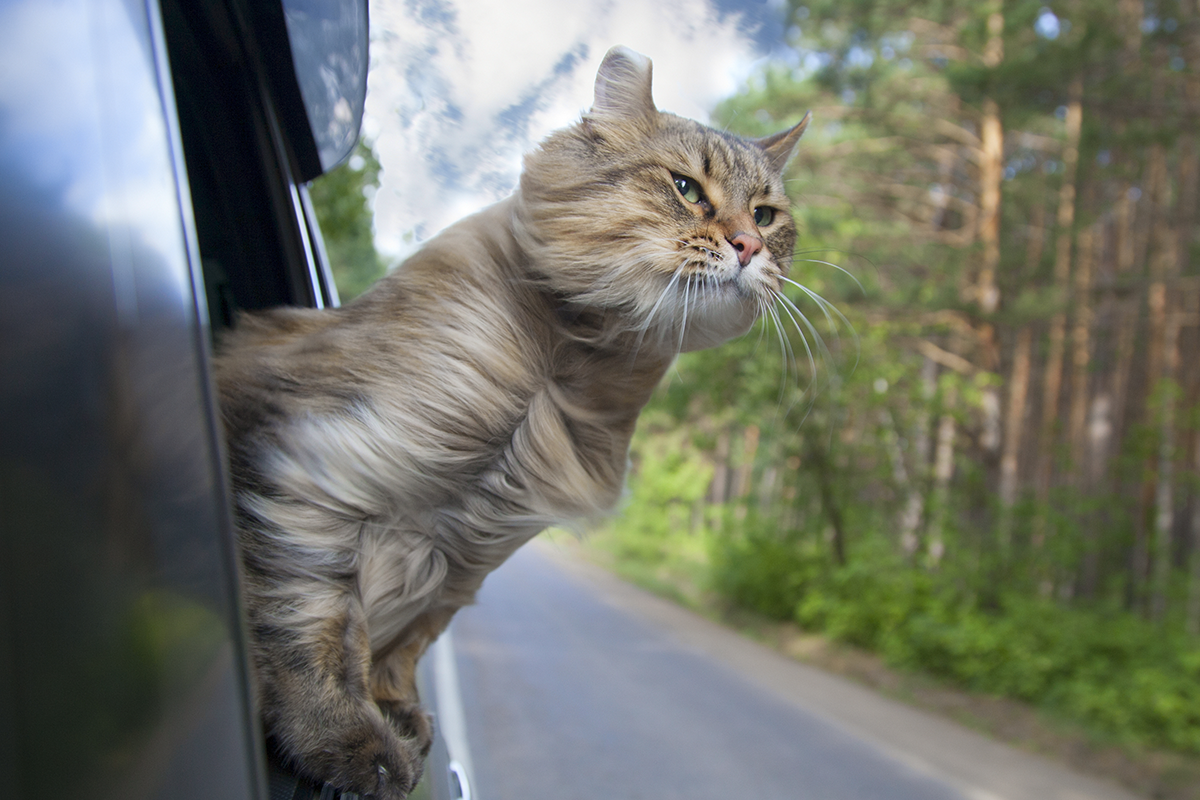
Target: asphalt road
[[576, 686]]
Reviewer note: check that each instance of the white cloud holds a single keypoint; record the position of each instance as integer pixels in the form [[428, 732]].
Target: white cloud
[[459, 90]]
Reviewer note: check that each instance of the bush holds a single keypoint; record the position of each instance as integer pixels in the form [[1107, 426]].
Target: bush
[[1110, 670], [866, 604], [762, 571]]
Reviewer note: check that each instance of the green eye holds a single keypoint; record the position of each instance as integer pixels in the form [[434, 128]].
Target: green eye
[[688, 188], [764, 215]]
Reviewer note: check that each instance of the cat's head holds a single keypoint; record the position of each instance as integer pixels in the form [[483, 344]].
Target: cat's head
[[683, 230]]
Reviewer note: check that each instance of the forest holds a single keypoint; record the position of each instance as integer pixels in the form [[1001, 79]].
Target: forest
[[973, 445], [986, 463]]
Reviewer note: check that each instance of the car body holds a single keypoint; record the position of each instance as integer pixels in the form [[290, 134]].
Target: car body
[[154, 156]]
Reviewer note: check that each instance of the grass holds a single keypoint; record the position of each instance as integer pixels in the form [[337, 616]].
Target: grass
[[679, 571]]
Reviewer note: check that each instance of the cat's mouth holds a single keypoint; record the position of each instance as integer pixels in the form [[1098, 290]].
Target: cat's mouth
[[713, 309], [713, 301], [720, 271]]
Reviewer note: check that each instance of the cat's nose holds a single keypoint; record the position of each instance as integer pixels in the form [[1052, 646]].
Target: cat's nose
[[746, 246]]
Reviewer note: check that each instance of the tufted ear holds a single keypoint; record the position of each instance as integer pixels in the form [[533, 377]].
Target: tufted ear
[[779, 146], [623, 87]]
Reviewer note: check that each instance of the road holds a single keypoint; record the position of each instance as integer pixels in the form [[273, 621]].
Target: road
[[576, 686]]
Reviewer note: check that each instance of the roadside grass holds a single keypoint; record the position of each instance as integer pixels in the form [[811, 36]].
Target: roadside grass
[[679, 567]]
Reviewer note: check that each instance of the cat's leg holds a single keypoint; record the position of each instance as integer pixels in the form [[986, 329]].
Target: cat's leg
[[313, 659], [394, 677]]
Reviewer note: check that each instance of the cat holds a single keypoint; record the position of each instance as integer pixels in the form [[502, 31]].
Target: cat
[[387, 455]]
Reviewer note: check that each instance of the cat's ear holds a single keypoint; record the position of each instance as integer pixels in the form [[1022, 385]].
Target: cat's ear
[[779, 146], [623, 87]]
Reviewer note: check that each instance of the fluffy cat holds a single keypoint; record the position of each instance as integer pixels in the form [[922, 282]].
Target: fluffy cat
[[387, 455]]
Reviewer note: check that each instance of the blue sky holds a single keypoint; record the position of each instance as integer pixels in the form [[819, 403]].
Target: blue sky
[[460, 89]]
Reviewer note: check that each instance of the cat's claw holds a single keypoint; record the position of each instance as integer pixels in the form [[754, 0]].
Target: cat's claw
[[393, 783], [387, 768], [412, 724], [384, 784]]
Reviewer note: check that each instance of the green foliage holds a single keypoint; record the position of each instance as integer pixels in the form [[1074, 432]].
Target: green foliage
[[887, 594], [1105, 668], [341, 198], [661, 521], [871, 512], [173, 637], [1110, 670], [973, 616], [763, 569]]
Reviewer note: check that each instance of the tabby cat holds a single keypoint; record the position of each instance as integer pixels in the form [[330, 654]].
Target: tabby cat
[[389, 454]]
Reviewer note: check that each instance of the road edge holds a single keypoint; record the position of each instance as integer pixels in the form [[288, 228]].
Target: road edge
[[979, 767]]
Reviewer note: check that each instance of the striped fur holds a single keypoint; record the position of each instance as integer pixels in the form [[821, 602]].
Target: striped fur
[[387, 455]]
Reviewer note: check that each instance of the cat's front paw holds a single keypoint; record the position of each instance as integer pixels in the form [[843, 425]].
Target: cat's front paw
[[383, 773], [370, 760], [411, 722]]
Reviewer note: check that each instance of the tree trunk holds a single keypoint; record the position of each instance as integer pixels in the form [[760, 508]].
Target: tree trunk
[[991, 176], [719, 491], [1131, 29], [1018, 393], [1052, 383], [1162, 371], [943, 472], [1152, 492], [744, 471], [1018, 390], [1185, 208], [1164, 495], [1189, 173], [822, 469], [1193, 597], [1081, 355], [1127, 311], [914, 505]]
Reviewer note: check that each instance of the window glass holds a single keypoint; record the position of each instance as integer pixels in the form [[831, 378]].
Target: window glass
[[329, 48]]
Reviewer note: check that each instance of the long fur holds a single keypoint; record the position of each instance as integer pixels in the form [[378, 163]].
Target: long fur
[[387, 455]]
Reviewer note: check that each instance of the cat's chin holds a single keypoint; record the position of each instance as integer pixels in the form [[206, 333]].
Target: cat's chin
[[719, 324]]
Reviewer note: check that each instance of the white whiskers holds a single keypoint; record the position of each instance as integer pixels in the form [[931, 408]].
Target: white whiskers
[[691, 294], [816, 351]]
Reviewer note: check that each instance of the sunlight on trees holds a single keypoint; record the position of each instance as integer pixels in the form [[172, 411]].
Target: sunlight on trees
[[1000, 482]]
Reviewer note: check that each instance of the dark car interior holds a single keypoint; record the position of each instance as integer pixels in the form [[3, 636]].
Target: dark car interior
[[122, 660], [241, 114], [253, 244]]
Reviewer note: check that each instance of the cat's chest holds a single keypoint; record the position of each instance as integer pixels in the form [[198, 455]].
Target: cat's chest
[[557, 462], [436, 551]]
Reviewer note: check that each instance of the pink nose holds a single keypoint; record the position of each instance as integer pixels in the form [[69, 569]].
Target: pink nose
[[746, 246]]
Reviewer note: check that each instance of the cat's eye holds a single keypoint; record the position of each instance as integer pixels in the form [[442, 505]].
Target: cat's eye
[[764, 215], [689, 189]]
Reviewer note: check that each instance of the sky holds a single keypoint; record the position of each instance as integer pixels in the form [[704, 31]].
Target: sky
[[460, 89]]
